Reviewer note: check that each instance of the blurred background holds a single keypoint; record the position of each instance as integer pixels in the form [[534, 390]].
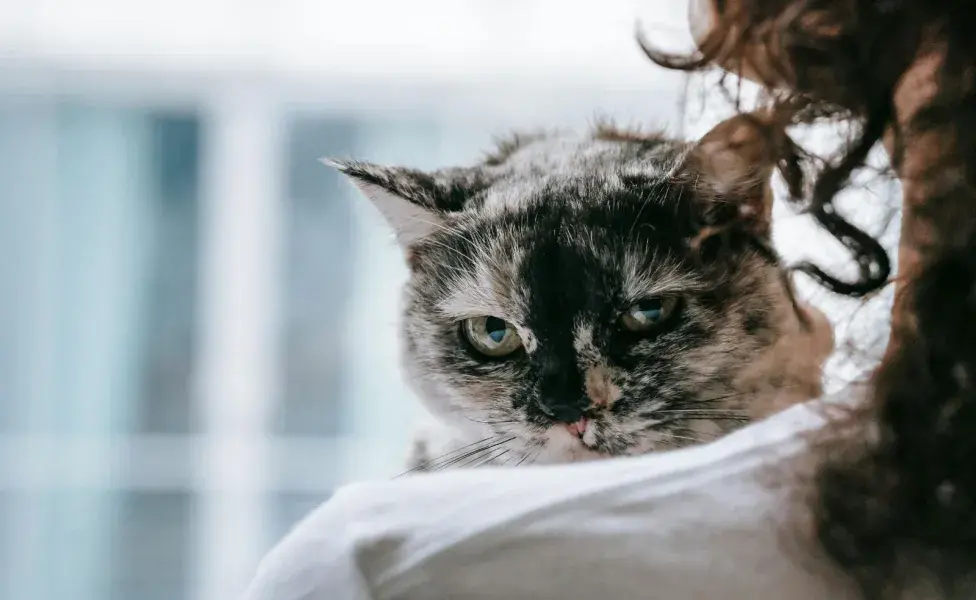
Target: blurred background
[[197, 318]]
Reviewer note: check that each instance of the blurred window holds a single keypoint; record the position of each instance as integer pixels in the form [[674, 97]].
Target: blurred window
[[127, 466]]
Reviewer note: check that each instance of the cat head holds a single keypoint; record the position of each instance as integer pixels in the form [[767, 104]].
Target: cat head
[[600, 295]]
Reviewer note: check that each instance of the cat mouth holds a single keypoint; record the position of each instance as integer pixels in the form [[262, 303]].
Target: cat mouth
[[584, 432], [587, 438], [579, 427]]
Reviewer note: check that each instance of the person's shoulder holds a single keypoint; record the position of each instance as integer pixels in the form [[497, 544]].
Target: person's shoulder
[[360, 536], [315, 556]]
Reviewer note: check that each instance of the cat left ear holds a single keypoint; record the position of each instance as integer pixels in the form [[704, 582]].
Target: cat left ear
[[733, 163], [412, 202]]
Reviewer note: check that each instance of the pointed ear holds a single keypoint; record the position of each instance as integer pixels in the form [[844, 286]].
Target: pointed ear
[[733, 164], [414, 203]]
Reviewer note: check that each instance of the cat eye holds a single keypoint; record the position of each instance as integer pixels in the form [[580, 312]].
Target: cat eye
[[648, 314], [491, 336]]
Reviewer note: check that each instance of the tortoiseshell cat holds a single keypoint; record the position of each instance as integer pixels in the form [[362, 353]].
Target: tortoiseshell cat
[[566, 301]]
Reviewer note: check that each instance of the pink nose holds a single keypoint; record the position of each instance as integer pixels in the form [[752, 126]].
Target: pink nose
[[579, 427]]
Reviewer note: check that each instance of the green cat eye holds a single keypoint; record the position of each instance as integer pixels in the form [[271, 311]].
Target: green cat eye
[[491, 336], [648, 313]]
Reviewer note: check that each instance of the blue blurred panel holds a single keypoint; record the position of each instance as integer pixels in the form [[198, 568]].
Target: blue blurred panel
[[319, 266], [28, 141], [97, 226], [7, 532], [89, 249], [102, 242], [169, 319], [150, 546]]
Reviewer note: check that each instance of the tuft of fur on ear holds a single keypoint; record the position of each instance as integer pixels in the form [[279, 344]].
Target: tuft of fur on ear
[[733, 164], [412, 202]]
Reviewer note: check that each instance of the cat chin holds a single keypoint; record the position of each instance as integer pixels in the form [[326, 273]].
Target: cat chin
[[574, 455]]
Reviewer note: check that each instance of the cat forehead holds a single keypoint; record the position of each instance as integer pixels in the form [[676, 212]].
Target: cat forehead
[[560, 152], [557, 206], [582, 168], [511, 284], [585, 197], [564, 261]]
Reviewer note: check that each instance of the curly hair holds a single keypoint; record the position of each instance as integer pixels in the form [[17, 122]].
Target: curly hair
[[894, 498]]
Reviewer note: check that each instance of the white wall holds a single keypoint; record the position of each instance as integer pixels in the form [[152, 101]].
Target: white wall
[[457, 39]]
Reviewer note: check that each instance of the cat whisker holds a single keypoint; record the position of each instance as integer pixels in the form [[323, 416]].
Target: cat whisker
[[508, 460], [688, 438], [712, 414], [459, 456], [685, 418], [701, 411], [474, 453], [531, 460], [724, 397], [739, 394], [503, 422], [481, 461], [704, 413], [448, 455], [501, 454], [702, 418]]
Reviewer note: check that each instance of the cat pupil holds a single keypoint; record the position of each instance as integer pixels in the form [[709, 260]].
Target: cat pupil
[[651, 309], [495, 328]]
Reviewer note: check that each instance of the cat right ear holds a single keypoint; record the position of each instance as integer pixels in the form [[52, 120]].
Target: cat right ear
[[412, 202], [734, 163]]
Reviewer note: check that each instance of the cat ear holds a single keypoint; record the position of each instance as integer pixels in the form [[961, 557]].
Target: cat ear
[[733, 163], [412, 202]]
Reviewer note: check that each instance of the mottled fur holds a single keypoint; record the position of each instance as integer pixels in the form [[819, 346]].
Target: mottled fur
[[558, 235]]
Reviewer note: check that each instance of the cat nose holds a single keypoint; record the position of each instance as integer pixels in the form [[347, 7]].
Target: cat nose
[[561, 393], [564, 412]]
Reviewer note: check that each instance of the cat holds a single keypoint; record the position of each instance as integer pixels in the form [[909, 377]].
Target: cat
[[574, 297]]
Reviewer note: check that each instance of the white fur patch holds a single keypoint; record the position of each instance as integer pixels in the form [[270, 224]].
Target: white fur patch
[[583, 338], [473, 296]]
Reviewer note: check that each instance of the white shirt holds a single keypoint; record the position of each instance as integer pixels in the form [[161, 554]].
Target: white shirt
[[713, 521]]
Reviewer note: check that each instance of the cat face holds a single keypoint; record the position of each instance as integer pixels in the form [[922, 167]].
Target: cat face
[[566, 294]]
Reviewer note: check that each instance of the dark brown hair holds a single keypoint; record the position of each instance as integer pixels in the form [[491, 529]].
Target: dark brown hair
[[895, 492]]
